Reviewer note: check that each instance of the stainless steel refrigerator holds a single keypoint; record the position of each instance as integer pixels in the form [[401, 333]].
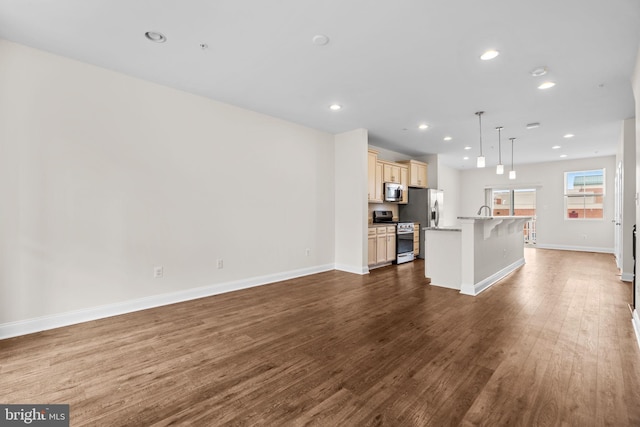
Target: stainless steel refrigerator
[[426, 207]]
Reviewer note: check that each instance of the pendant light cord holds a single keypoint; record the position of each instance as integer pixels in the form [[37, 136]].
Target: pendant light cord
[[500, 145], [480, 113], [511, 152]]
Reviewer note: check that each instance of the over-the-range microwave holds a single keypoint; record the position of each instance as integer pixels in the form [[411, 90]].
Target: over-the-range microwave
[[392, 192]]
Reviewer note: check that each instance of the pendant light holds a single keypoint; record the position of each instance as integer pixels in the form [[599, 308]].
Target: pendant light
[[512, 173], [480, 161], [500, 167]]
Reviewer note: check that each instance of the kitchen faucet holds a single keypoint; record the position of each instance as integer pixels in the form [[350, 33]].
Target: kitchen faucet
[[484, 206]]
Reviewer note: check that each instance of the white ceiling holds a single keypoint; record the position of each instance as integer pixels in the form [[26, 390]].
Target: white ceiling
[[391, 64]]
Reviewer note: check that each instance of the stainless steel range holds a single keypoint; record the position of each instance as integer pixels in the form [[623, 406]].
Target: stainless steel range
[[404, 235], [404, 242]]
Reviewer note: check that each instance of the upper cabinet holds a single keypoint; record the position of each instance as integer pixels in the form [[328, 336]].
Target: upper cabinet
[[375, 178], [390, 172], [417, 173], [404, 180]]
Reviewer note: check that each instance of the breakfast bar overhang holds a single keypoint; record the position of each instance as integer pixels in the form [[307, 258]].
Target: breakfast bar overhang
[[475, 255]]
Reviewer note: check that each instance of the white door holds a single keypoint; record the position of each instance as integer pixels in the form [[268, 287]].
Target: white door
[[617, 216]]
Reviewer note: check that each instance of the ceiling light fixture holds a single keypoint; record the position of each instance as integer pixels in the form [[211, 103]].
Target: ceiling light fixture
[[563, 155], [335, 107], [539, 71], [480, 161], [489, 54], [320, 40], [465, 158], [467, 147], [500, 167], [512, 173], [423, 126], [447, 138], [569, 135], [533, 125], [155, 36], [546, 85], [556, 147]]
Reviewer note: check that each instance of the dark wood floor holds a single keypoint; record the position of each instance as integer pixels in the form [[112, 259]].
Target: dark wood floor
[[552, 344]]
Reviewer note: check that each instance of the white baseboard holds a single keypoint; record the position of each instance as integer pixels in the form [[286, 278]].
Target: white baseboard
[[575, 248], [635, 320], [476, 288], [352, 269], [626, 277], [43, 323]]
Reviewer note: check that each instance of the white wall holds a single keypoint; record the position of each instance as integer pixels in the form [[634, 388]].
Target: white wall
[[449, 181], [635, 80], [351, 201], [553, 231], [627, 157], [103, 176]]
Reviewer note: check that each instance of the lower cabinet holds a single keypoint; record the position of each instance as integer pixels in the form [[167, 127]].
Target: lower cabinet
[[381, 245], [416, 239], [372, 246]]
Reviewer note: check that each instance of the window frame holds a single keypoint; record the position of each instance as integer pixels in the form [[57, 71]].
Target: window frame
[[566, 196]]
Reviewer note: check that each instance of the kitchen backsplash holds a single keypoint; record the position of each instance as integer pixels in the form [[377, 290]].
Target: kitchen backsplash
[[393, 207]]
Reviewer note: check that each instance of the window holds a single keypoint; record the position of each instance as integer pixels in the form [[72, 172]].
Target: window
[[516, 202], [584, 194]]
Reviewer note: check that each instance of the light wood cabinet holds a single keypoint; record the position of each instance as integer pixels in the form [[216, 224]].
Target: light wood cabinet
[[391, 172], [416, 238], [404, 180], [381, 245], [417, 173], [374, 178], [379, 189], [391, 245], [372, 246]]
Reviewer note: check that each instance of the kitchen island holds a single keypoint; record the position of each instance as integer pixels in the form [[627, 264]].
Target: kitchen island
[[475, 255]]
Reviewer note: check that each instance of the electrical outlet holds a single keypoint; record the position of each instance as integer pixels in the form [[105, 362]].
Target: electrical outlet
[[220, 263], [584, 237], [158, 272], [308, 252]]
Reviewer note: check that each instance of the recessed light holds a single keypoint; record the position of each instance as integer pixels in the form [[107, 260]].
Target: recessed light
[[155, 36], [569, 135], [423, 126], [539, 71], [335, 107], [555, 147], [465, 158], [490, 54], [467, 148], [563, 155], [320, 40], [546, 85], [533, 125], [447, 138]]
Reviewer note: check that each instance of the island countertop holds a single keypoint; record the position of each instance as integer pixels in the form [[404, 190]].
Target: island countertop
[[494, 217], [442, 229]]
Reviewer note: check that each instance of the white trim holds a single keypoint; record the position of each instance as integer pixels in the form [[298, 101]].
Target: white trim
[[635, 321], [29, 326], [626, 277], [476, 288], [575, 248], [352, 269]]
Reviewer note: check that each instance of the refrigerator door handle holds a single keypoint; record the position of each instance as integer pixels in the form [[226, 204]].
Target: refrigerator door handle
[[436, 213]]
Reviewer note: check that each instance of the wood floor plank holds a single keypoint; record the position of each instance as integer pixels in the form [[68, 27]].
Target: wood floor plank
[[550, 345]]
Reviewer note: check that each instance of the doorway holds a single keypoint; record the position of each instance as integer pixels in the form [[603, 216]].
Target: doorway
[[516, 202]]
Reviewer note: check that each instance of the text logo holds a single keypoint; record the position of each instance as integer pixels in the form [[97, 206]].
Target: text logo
[[34, 415]]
